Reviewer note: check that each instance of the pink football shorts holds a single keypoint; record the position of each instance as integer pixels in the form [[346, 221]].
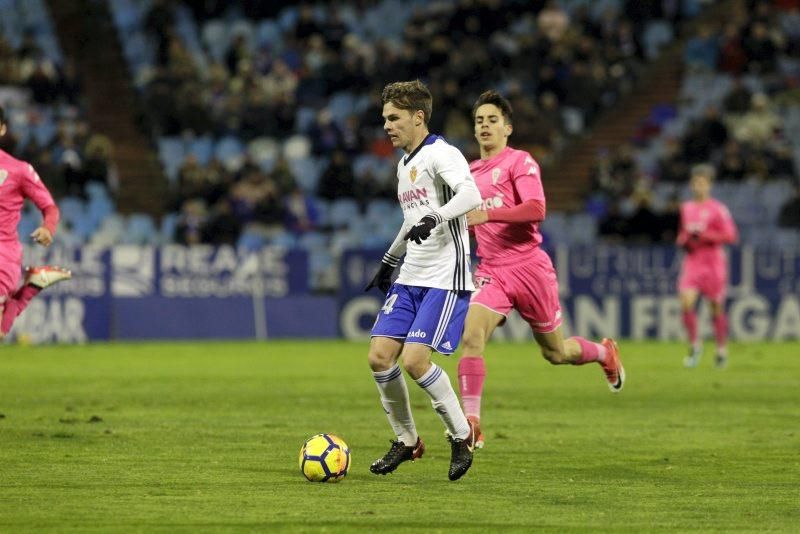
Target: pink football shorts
[[530, 287], [708, 280]]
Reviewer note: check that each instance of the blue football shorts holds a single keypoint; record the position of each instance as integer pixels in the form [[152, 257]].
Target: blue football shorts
[[424, 315]]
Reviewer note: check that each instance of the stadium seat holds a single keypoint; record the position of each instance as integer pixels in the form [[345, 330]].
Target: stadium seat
[[251, 240], [202, 148], [306, 172], [71, 208], [140, 230], [342, 211], [171, 152]]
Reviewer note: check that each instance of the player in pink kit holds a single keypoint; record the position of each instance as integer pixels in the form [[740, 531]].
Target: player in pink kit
[[19, 181], [706, 225], [514, 272]]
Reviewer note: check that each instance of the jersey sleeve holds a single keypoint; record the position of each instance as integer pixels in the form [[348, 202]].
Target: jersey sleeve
[[33, 188], [453, 168], [683, 234], [725, 231], [527, 178]]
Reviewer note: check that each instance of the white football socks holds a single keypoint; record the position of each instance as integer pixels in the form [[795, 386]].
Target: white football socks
[[437, 385], [394, 397]]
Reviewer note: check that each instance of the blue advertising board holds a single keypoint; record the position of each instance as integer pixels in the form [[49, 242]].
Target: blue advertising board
[[627, 292], [176, 292], [140, 292]]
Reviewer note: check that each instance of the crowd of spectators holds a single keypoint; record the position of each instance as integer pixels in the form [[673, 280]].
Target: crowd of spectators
[[587, 56], [756, 48], [47, 126]]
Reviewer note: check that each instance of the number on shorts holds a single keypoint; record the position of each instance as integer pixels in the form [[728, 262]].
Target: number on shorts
[[388, 306]]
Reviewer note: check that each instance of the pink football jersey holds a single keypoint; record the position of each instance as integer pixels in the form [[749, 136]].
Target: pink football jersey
[[505, 180], [712, 226], [18, 181]]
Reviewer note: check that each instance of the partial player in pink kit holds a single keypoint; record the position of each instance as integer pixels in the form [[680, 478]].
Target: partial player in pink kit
[[706, 225], [19, 181], [514, 272]]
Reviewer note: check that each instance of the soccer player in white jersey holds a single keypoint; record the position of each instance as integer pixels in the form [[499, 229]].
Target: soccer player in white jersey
[[425, 307], [514, 272]]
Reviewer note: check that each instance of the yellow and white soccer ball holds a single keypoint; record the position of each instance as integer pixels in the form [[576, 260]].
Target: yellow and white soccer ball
[[324, 458]]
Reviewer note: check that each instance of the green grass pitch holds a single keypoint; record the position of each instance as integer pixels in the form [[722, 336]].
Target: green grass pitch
[[187, 436]]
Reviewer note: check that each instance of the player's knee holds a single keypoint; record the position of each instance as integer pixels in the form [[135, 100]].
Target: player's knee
[[554, 356], [415, 367], [380, 360]]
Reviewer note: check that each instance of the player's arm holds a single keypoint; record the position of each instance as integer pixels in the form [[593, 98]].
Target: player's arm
[[34, 189], [527, 179], [451, 166], [727, 233], [383, 278], [454, 170], [530, 211], [683, 234]]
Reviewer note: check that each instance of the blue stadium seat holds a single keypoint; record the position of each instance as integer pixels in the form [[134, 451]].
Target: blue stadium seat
[[216, 38], [313, 241], [228, 147], [169, 222], [306, 172], [71, 208], [140, 230], [171, 152], [202, 148], [98, 209], [251, 241], [342, 211], [268, 33], [283, 239]]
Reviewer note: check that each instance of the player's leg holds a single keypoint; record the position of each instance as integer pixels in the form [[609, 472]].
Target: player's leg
[[36, 279], [386, 345], [688, 298], [9, 278], [720, 320], [689, 284], [480, 323], [439, 325], [577, 350]]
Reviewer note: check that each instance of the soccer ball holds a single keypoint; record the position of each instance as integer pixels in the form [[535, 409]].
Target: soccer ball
[[324, 458]]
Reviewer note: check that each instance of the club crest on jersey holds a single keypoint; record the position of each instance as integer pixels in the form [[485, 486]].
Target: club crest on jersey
[[412, 174], [495, 176], [3, 176]]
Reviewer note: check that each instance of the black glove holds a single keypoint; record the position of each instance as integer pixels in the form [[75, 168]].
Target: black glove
[[422, 230], [382, 279]]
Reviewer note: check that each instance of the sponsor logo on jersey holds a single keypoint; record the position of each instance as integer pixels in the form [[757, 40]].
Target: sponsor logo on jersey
[[417, 333], [412, 194], [493, 202], [447, 345]]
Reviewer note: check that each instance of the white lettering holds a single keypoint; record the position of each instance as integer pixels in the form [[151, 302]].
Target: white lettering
[[787, 319]]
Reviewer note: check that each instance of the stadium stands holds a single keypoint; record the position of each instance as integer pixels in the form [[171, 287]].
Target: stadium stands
[[285, 101]]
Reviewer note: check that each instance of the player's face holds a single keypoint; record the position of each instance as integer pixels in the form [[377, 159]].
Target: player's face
[[700, 185], [2, 130], [399, 125], [491, 129]]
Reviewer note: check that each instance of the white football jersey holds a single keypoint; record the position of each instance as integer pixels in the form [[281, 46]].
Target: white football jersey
[[426, 180]]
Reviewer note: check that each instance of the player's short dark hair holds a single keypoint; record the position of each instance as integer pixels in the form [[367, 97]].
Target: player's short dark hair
[[496, 99], [704, 169], [412, 96]]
